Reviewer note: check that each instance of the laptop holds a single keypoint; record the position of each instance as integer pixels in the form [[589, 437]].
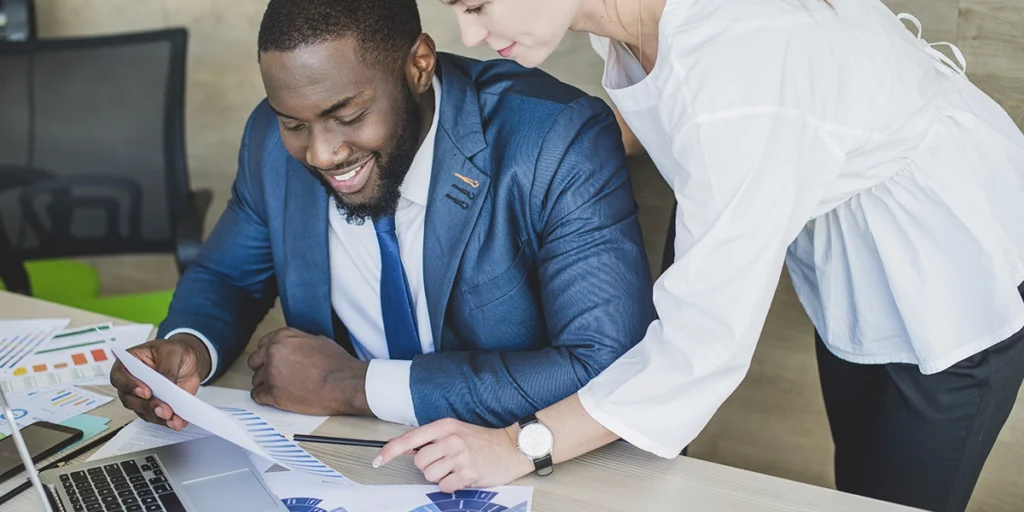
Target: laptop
[[205, 474], [202, 475]]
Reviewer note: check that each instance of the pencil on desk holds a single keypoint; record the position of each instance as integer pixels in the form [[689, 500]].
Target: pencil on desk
[[303, 438]]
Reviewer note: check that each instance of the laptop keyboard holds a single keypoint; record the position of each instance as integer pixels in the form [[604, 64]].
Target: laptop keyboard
[[137, 485]]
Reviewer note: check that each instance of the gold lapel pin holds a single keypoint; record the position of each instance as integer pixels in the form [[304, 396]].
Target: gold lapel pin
[[470, 182]]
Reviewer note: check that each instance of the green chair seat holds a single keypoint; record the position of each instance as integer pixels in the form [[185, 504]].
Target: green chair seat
[[77, 284], [143, 308], [57, 280]]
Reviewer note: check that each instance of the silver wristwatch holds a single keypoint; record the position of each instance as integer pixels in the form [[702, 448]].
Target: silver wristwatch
[[536, 442]]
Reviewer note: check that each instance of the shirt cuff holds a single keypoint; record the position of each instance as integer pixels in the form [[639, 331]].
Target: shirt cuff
[[388, 393], [209, 346]]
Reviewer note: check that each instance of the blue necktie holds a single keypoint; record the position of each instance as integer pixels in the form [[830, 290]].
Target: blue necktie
[[395, 297]]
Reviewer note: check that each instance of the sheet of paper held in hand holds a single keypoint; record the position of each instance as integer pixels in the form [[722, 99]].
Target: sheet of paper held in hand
[[237, 425], [140, 435]]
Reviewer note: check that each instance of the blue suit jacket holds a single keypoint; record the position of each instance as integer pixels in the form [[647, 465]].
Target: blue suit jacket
[[534, 267]]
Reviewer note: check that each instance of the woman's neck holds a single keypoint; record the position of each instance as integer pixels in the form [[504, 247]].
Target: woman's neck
[[623, 21], [617, 19]]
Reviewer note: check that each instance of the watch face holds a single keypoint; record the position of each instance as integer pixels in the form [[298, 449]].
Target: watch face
[[535, 441]]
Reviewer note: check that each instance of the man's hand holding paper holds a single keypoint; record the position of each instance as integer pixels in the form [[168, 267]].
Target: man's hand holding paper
[[183, 359]]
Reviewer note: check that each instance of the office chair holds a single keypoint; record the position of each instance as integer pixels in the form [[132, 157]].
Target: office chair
[[17, 20], [92, 162]]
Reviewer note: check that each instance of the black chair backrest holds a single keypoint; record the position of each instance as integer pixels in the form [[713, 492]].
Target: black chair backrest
[[17, 20], [92, 145]]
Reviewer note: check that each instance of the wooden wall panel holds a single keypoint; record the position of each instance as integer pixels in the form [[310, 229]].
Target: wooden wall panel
[[991, 35]]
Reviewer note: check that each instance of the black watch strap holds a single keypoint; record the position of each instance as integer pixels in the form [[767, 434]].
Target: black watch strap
[[528, 419], [543, 465]]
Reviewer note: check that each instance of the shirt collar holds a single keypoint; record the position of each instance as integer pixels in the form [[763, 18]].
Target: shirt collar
[[416, 186]]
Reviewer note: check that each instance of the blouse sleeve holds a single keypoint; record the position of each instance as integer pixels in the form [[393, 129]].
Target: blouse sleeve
[[753, 179]]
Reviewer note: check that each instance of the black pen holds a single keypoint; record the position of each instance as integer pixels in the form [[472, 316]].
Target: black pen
[[61, 462], [303, 438]]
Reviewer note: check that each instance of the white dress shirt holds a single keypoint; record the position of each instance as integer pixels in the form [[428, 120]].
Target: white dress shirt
[[354, 256], [839, 142], [355, 284]]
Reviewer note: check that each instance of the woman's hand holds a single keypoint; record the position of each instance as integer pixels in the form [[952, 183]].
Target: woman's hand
[[457, 455]]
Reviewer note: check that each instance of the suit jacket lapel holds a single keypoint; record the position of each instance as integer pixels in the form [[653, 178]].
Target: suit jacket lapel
[[458, 187], [306, 290]]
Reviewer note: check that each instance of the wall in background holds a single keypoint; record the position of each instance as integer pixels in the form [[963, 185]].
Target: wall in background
[[990, 33], [224, 81]]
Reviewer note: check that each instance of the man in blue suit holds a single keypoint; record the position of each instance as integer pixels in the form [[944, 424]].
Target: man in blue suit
[[476, 254]]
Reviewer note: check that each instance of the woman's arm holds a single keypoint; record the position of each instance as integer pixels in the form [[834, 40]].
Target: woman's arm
[[629, 140], [755, 179], [457, 455]]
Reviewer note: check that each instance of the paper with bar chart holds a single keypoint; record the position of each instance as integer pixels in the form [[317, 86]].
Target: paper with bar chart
[[79, 356], [53, 405], [21, 338], [239, 426]]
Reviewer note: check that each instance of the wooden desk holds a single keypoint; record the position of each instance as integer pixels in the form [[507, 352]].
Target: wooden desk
[[617, 477]]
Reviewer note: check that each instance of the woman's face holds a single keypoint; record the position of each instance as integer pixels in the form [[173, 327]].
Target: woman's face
[[527, 31]]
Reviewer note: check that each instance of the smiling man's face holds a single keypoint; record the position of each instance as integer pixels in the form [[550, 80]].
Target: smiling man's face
[[355, 126]]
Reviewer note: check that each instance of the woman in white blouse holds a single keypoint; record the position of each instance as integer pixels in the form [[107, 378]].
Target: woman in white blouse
[[825, 135]]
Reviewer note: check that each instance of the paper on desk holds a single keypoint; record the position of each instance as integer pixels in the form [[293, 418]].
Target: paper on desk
[[141, 435], [123, 337], [21, 338], [89, 425], [285, 422], [243, 428], [79, 356], [299, 492], [54, 405], [128, 336]]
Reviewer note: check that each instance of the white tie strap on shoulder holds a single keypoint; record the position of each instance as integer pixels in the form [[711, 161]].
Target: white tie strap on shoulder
[[960, 69]]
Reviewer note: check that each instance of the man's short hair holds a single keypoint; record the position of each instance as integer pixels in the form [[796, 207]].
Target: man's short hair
[[384, 30]]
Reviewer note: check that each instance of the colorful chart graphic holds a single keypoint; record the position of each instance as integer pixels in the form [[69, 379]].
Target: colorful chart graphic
[[307, 505], [281, 449], [53, 405], [74, 356], [20, 339], [60, 359], [18, 414], [302, 495], [71, 399], [467, 501]]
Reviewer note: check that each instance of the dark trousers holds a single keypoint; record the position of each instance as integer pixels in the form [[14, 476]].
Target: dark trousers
[[918, 440]]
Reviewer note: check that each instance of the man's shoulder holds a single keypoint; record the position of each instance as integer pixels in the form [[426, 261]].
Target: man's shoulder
[[502, 77], [514, 96], [261, 127], [526, 113], [261, 140]]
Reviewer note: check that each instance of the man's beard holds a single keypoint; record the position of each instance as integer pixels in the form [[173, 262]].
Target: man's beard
[[392, 171]]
